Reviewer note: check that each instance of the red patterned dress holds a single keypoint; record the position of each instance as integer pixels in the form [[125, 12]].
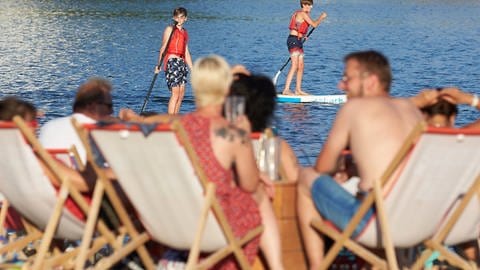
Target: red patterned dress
[[239, 207]]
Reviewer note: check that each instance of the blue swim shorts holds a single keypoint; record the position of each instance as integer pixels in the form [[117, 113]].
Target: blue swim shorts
[[337, 205], [294, 44], [176, 72]]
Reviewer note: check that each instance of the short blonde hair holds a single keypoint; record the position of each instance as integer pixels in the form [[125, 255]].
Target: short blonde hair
[[211, 79]]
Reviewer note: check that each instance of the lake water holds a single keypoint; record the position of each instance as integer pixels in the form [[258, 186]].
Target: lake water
[[48, 48]]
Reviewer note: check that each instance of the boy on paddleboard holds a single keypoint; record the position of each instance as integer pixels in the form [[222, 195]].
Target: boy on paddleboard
[[299, 24], [176, 59]]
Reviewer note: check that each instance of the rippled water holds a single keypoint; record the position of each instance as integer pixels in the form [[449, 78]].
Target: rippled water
[[48, 48]]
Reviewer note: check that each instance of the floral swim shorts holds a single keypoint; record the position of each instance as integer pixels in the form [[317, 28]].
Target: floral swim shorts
[[176, 73]]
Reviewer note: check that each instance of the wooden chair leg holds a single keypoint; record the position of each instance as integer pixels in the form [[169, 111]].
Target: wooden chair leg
[[195, 250], [50, 229], [3, 216], [89, 226], [385, 228]]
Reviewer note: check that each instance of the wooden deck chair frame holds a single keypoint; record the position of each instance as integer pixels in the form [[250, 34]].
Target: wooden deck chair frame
[[31, 234], [3, 216], [375, 197], [105, 187], [41, 259], [74, 162], [69, 156], [210, 205]]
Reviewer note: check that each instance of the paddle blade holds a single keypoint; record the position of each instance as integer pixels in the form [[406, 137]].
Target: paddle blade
[[275, 78]]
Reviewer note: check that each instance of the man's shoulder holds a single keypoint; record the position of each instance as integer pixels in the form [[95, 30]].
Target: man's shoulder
[[66, 121], [370, 106], [56, 122], [83, 119], [366, 102]]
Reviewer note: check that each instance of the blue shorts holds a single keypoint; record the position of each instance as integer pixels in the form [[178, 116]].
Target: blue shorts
[[176, 72], [336, 204], [294, 44]]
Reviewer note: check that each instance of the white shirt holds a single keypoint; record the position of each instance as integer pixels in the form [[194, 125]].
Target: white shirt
[[59, 133]]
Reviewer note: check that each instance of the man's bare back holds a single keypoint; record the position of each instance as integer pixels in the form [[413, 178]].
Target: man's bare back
[[377, 127]]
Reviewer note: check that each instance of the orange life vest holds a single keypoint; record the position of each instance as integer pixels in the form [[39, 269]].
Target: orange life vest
[[301, 28], [177, 46]]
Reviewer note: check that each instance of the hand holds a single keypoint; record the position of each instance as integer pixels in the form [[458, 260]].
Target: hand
[[456, 96], [346, 168], [426, 98], [240, 69], [126, 114], [323, 16], [242, 123], [268, 185], [157, 69]]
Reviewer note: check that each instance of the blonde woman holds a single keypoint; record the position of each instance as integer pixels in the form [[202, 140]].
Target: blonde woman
[[226, 155]]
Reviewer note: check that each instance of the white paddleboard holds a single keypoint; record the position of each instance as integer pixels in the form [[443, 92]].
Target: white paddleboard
[[330, 99]]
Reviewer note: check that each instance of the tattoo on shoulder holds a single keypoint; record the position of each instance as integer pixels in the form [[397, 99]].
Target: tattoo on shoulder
[[225, 133], [243, 136], [230, 134]]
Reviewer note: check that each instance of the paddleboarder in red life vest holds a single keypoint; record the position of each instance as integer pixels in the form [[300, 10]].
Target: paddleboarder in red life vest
[[176, 59], [299, 24]]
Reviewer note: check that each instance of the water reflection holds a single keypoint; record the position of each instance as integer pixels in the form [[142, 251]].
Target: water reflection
[[295, 112], [50, 47]]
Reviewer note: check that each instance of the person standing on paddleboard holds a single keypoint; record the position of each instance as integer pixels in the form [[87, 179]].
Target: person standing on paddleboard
[[176, 59], [299, 24]]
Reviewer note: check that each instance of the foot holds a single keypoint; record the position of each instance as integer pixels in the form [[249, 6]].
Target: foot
[[301, 93], [287, 92]]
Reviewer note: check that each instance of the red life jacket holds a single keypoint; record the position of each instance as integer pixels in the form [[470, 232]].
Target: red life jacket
[[177, 46], [301, 28]]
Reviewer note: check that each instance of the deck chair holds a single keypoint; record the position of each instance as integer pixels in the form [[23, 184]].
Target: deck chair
[[428, 194], [175, 201], [69, 157], [27, 188]]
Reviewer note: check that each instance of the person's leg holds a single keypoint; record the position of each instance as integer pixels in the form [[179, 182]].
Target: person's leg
[[322, 195], [175, 76], [312, 240], [336, 204], [182, 82], [301, 68], [291, 72], [174, 96], [181, 94], [270, 243]]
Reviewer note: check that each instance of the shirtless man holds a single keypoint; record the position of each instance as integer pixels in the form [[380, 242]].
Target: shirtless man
[[374, 126]]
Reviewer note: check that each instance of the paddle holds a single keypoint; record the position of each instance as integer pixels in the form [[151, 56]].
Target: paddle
[[149, 92], [275, 78]]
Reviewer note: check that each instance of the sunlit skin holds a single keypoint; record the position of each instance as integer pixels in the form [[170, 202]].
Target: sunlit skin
[[352, 81]]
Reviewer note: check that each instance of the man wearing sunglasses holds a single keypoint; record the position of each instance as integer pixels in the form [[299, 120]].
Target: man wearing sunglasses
[[93, 102]]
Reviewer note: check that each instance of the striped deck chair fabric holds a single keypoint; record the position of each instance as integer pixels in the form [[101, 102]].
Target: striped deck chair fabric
[[160, 174], [27, 188]]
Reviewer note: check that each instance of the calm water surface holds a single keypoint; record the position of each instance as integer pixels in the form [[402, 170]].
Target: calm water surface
[[48, 48]]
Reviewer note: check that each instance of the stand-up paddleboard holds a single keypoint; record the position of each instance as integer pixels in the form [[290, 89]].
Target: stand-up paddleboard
[[330, 99]]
